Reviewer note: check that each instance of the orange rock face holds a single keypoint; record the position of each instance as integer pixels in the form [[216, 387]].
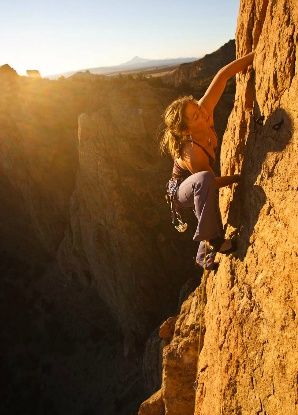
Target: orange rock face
[[153, 405], [248, 363], [250, 343]]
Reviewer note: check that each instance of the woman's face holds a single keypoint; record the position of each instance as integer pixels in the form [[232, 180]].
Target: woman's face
[[192, 117]]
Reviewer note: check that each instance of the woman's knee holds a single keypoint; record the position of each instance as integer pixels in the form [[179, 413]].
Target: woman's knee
[[204, 178]]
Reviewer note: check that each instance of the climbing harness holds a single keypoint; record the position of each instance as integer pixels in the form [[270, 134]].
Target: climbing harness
[[171, 190]]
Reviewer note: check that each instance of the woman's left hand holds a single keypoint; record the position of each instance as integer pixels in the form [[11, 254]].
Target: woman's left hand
[[236, 178]]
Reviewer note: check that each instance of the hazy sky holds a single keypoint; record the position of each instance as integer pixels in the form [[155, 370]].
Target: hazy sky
[[60, 35]]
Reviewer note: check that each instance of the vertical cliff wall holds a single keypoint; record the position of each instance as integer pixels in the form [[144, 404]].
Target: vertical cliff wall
[[248, 362], [250, 348], [117, 240]]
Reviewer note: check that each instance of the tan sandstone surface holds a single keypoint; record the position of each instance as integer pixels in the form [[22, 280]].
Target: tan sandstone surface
[[248, 362]]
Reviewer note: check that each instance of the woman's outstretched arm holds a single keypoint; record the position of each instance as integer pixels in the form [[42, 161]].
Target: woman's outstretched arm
[[223, 181], [217, 86]]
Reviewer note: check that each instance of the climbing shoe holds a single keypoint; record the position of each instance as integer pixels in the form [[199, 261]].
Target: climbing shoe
[[207, 251], [228, 246], [223, 246], [206, 257]]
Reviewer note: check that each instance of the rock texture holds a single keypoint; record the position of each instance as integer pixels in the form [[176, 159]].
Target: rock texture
[[154, 405], [119, 239], [248, 363]]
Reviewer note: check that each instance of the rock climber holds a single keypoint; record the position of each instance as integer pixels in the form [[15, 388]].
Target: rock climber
[[190, 138]]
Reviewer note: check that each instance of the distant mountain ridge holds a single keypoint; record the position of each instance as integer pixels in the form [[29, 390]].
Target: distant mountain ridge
[[136, 60], [134, 64], [199, 73]]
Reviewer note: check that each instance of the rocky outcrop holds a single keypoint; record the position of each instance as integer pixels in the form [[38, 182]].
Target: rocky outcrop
[[118, 239], [154, 405], [6, 71], [33, 73], [248, 361]]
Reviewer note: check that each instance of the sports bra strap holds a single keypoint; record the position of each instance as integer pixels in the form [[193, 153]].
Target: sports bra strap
[[203, 148]]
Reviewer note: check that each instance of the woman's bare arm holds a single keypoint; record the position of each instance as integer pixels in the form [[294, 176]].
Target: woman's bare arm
[[195, 160], [218, 84], [226, 180]]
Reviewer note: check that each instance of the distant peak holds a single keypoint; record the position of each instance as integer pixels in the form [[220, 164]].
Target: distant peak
[[136, 59]]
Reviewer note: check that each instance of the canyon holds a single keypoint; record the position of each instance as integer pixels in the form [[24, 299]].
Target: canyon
[[102, 308], [90, 262]]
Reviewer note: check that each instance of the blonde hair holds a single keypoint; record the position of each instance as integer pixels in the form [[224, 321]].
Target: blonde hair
[[173, 134]]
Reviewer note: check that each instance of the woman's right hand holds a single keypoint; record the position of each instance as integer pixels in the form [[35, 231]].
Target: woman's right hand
[[227, 180], [218, 84]]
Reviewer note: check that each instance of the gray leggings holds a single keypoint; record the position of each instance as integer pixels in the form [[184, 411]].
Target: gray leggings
[[199, 192]]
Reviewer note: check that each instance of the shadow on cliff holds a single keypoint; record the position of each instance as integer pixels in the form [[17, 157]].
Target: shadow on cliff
[[266, 136]]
